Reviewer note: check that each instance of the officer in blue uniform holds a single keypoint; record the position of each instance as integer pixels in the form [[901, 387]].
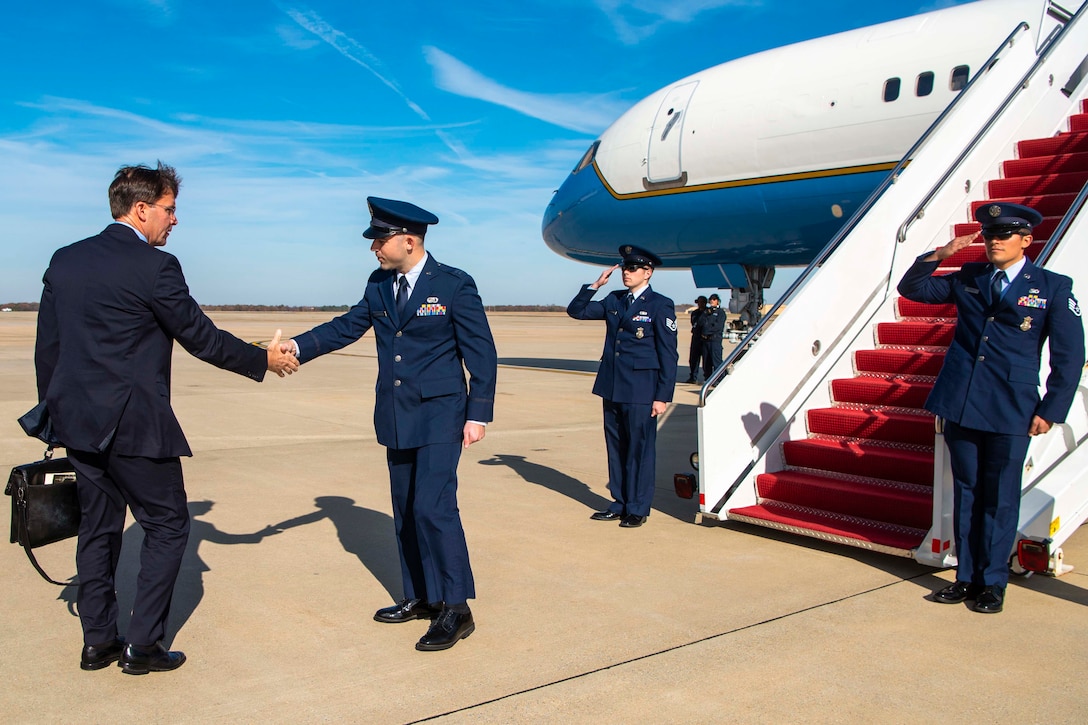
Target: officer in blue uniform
[[636, 379], [713, 327], [988, 389], [429, 325], [695, 349]]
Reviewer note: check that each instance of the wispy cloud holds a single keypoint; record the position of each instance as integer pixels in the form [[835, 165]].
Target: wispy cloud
[[585, 113], [636, 20], [352, 50]]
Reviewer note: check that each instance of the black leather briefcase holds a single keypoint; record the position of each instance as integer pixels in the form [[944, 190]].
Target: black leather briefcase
[[44, 505]]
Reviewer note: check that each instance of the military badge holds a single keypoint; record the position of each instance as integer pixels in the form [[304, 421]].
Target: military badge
[[432, 300], [639, 333], [671, 324], [1031, 300], [994, 211], [1026, 324], [1074, 307]]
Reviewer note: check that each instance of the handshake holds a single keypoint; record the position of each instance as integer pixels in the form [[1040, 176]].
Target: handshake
[[281, 356]]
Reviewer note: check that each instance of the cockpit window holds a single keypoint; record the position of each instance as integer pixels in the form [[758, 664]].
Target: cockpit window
[[924, 86], [587, 159], [891, 90], [959, 78]]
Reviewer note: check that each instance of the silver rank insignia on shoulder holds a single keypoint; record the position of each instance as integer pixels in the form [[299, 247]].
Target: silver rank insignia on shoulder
[[671, 324], [1026, 324], [1074, 307], [639, 333]]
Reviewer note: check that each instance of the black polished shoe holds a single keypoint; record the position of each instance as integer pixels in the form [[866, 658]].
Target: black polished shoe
[[141, 660], [691, 381], [449, 629], [630, 521], [990, 600], [956, 592], [606, 516], [405, 611], [98, 656]]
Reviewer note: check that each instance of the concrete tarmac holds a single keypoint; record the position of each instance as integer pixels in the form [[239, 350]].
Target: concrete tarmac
[[292, 551]]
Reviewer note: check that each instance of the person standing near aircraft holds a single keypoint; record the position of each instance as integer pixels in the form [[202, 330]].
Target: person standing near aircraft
[[988, 389], [695, 350], [111, 309], [713, 327], [636, 379], [429, 325]]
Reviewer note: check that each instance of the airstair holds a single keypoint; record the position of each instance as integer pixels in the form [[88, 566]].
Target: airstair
[[818, 428]]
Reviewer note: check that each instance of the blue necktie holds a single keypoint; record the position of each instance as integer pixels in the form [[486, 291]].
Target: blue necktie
[[628, 300], [995, 286], [402, 296]]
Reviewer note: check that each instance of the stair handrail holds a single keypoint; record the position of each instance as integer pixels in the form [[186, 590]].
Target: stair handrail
[[722, 370], [1063, 225]]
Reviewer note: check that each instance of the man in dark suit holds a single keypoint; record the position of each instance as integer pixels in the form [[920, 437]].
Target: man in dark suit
[[429, 325], [636, 379], [713, 327], [695, 349], [112, 307], [988, 389]]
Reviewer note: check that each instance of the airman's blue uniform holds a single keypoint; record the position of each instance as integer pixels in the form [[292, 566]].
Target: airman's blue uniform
[[638, 367], [987, 391]]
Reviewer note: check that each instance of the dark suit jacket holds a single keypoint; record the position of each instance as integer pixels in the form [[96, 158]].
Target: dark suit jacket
[[421, 396], [639, 360], [990, 377], [110, 311]]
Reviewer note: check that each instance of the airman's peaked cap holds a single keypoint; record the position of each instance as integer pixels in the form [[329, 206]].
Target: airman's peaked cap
[[1006, 217], [636, 255], [388, 216]]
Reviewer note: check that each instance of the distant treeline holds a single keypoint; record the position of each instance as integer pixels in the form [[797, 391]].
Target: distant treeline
[[33, 307]]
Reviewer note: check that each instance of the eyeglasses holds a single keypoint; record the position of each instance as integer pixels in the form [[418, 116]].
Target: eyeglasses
[[170, 210], [634, 267], [1002, 236]]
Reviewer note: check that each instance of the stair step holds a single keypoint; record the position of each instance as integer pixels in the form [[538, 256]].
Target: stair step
[[1057, 164], [868, 460], [900, 504], [1046, 204], [1043, 184], [873, 424], [881, 391], [853, 532], [1078, 123], [1064, 143], [903, 362], [976, 252], [926, 334], [910, 308]]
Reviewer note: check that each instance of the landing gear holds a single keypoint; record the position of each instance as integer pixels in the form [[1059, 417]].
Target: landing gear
[[747, 302]]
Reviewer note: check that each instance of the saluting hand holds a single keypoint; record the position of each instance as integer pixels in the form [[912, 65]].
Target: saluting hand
[[603, 279], [280, 360], [954, 246]]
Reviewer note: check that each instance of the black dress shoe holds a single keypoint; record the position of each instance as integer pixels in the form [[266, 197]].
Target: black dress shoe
[[990, 600], [606, 516], [141, 660], [690, 381], [449, 629], [956, 592], [630, 521], [405, 611], [98, 656]]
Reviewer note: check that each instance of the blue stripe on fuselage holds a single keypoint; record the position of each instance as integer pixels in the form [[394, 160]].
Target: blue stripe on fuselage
[[779, 221]]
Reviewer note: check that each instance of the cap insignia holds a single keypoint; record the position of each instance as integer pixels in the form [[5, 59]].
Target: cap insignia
[[994, 210]]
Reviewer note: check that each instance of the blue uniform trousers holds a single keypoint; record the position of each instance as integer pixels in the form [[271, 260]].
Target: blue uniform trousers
[[986, 468], [154, 489], [433, 552], [630, 434]]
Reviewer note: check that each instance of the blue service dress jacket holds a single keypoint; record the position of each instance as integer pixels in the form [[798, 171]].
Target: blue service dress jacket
[[421, 397], [990, 378], [639, 360], [111, 309]]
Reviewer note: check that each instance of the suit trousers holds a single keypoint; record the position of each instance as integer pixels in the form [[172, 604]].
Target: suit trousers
[[712, 355], [431, 541], [154, 489], [695, 354], [630, 436], [986, 469]]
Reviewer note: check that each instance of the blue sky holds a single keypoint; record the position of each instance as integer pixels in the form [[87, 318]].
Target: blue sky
[[282, 117]]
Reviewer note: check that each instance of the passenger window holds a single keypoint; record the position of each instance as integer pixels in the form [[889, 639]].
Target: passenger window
[[958, 79], [924, 86], [891, 90]]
